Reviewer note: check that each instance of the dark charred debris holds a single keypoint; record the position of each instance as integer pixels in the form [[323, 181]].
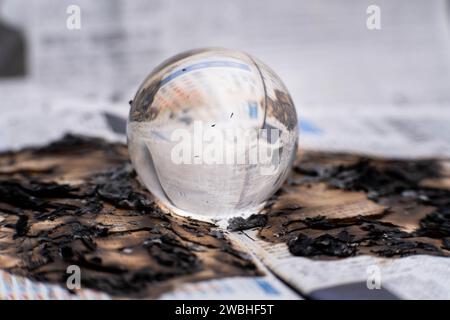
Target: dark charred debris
[[77, 201], [239, 223], [399, 185]]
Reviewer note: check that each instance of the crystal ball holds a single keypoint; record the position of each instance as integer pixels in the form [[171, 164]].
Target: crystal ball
[[212, 133]]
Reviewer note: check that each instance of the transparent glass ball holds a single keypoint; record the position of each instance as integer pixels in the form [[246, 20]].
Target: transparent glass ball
[[212, 133]]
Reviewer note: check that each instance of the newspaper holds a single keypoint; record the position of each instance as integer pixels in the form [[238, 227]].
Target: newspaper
[[240, 288], [417, 131], [324, 51], [267, 287], [19, 288], [32, 115], [357, 95], [417, 277], [375, 133], [414, 277]]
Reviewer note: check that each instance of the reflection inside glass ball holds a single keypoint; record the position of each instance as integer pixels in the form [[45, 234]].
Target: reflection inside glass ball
[[212, 133]]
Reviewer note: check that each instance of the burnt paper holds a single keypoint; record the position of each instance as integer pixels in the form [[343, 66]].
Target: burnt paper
[[338, 205], [77, 202]]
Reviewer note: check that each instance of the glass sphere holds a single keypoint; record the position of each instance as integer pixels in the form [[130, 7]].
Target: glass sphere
[[212, 133]]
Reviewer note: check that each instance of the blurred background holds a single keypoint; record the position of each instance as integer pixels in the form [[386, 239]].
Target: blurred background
[[383, 90]]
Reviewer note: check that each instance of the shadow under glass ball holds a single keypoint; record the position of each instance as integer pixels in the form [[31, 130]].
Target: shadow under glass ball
[[212, 133]]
